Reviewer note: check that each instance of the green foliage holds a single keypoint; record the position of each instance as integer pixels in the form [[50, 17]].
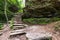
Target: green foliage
[[2, 9], [55, 19], [11, 24], [40, 20], [13, 6], [1, 26], [57, 26], [17, 5]]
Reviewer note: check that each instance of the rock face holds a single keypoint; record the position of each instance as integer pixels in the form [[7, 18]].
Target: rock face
[[42, 8]]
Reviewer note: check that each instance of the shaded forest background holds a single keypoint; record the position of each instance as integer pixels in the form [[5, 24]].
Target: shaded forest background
[[34, 11]]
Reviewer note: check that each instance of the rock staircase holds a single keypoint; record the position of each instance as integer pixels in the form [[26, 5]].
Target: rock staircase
[[18, 29], [19, 26]]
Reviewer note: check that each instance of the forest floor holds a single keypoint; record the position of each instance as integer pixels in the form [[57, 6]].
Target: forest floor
[[49, 28], [5, 32]]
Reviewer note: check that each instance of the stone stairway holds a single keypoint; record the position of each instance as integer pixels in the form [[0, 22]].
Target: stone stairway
[[17, 32], [18, 29], [19, 26]]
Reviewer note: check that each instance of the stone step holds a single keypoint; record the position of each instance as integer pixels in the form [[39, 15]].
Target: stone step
[[18, 27], [24, 25], [16, 32], [18, 24]]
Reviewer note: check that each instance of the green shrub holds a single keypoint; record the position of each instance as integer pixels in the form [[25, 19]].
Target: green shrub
[[11, 24], [3, 17], [55, 19], [40, 20], [1, 26], [57, 26]]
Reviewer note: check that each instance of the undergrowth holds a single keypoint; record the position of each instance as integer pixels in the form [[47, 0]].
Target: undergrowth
[[57, 26], [1, 26], [40, 20]]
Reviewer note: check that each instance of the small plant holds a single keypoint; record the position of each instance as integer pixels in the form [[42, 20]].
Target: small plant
[[57, 26], [1, 26], [11, 24]]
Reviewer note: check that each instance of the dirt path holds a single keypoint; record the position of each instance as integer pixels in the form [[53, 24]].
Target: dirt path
[[50, 27], [6, 31], [47, 28]]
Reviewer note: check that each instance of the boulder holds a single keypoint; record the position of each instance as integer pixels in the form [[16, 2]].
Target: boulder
[[39, 36], [38, 33]]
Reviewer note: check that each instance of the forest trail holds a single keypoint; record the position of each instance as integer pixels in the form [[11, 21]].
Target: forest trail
[[47, 28]]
